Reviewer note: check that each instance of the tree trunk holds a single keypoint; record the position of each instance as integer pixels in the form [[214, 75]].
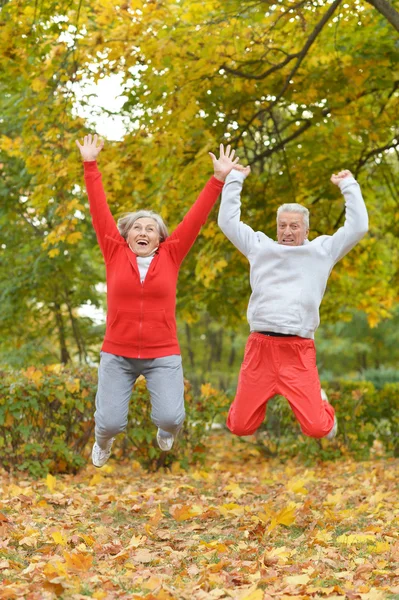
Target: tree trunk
[[64, 354], [232, 356], [387, 10], [77, 335], [189, 346]]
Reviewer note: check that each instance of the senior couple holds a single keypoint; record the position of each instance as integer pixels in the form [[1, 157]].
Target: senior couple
[[288, 279]]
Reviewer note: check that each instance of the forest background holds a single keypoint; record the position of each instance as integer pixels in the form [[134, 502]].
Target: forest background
[[301, 89]]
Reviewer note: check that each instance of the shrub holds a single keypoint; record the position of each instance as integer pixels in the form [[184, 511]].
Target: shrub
[[46, 422], [380, 377], [45, 418], [368, 424]]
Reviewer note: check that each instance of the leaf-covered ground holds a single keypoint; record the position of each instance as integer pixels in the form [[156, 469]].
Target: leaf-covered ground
[[242, 526]]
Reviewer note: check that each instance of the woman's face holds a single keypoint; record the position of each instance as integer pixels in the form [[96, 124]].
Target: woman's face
[[143, 237]]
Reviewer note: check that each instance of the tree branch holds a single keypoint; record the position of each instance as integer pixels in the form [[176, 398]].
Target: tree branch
[[282, 143], [298, 55], [363, 159], [309, 42], [387, 10], [272, 69]]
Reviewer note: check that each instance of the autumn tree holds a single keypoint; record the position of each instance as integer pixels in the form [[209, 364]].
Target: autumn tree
[[300, 88]]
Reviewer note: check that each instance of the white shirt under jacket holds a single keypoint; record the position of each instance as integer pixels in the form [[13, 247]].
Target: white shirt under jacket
[[288, 282]]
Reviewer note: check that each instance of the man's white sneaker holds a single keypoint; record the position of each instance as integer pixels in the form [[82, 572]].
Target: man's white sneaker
[[165, 443], [100, 456], [331, 434]]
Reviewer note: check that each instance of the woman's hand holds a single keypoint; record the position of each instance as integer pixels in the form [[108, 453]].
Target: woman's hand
[[335, 179], [225, 163], [89, 151]]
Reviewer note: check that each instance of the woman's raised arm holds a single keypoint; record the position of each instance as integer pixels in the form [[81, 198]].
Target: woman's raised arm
[[187, 231], [103, 221]]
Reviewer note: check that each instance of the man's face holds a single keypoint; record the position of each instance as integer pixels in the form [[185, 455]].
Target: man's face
[[291, 230], [143, 238]]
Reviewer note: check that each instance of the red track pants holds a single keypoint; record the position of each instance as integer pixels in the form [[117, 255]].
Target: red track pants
[[279, 365]]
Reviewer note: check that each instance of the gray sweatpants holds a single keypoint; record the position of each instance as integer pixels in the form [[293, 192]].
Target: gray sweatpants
[[116, 378]]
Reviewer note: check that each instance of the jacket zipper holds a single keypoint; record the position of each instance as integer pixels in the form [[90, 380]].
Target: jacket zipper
[[141, 317], [141, 308]]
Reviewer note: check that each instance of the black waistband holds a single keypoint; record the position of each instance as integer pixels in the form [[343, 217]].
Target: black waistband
[[274, 334]]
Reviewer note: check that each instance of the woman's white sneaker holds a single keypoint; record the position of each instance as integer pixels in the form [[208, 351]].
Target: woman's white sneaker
[[165, 443], [100, 456]]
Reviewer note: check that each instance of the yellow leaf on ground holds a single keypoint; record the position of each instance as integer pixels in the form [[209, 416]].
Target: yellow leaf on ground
[[152, 583], [201, 475], [228, 509], [136, 541], [144, 556], [78, 561], [355, 538], [59, 538], [185, 512], [323, 537], [235, 489], [297, 486], [374, 594], [88, 540], [380, 548], [51, 482], [30, 541], [286, 517], [297, 579], [256, 594], [96, 479]]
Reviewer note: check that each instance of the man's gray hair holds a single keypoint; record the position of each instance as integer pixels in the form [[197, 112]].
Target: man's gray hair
[[126, 222], [295, 208]]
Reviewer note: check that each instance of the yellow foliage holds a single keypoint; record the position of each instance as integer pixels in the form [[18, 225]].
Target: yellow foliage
[[53, 252], [34, 375], [73, 387], [73, 238]]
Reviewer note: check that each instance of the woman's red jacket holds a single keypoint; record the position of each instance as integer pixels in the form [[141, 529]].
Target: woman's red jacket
[[141, 320]]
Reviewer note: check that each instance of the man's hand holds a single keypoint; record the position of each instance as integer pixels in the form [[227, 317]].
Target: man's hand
[[336, 179], [245, 170], [225, 163], [89, 151]]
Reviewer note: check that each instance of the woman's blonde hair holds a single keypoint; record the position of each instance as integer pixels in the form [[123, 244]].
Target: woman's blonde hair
[[126, 222]]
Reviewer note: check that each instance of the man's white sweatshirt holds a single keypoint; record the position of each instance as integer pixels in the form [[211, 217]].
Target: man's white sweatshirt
[[288, 282]]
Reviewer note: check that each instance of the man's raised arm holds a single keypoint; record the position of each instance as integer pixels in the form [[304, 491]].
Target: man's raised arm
[[241, 235], [356, 217]]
